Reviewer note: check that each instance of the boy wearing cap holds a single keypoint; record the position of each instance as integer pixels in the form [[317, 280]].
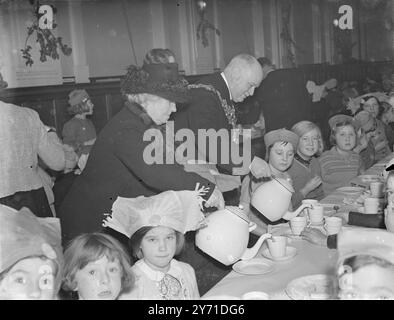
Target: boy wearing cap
[[31, 258], [79, 132]]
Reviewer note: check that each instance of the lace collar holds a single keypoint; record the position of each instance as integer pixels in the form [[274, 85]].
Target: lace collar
[[156, 275]]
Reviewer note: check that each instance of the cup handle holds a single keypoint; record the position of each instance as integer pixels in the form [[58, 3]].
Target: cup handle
[[252, 226]]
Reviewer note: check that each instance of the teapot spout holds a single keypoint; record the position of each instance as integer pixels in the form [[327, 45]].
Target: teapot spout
[[250, 253], [292, 214]]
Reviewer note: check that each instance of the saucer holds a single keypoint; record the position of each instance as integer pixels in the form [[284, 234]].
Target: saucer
[[253, 267], [290, 253]]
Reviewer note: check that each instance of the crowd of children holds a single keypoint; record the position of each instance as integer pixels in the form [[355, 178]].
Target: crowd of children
[[97, 266]]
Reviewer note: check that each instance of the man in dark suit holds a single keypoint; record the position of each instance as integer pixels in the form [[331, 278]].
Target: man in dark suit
[[284, 99], [212, 105]]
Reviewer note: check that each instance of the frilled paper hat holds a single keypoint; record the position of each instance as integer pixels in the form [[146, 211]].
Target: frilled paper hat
[[281, 135], [23, 235], [180, 210], [365, 241], [341, 118], [161, 79]]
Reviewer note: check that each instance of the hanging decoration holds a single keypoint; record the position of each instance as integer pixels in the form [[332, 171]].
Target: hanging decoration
[[289, 43], [204, 26], [48, 42]]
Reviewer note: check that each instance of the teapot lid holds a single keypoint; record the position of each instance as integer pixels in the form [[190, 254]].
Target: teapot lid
[[238, 212]]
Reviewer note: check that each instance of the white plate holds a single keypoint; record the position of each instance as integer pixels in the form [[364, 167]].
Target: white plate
[[351, 190], [313, 287], [253, 267], [369, 178], [290, 253]]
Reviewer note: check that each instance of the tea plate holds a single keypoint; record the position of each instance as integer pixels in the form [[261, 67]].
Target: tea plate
[[369, 178], [290, 253], [253, 267], [351, 190], [313, 287]]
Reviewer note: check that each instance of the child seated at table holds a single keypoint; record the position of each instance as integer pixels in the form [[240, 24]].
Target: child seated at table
[[365, 264], [31, 258], [281, 145], [155, 226], [305, 171], [340, 164], [79, 132], [96, 268]]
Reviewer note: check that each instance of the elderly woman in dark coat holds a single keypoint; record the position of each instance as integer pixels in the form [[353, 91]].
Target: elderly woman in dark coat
[[116, 165]]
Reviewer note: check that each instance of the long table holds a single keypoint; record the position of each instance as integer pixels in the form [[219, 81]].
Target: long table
[[310, 258]]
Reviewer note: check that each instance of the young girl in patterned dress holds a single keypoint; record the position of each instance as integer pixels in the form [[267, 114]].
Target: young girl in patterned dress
[[156, 227]]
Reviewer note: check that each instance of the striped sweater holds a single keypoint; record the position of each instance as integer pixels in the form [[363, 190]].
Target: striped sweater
[[338, 169]]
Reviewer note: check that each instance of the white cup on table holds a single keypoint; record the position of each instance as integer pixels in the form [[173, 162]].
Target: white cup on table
[[298, 225], [332, 225], [371, 205], [316, 214], [277, 246], [376, 189]]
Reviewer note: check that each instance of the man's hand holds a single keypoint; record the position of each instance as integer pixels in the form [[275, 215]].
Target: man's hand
[[259, 168]]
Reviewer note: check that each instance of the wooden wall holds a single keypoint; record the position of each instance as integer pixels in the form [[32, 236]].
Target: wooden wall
[[51, 101]]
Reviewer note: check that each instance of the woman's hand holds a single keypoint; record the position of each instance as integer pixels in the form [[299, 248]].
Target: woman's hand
[[311, 185], [260, 168], [216, 199]]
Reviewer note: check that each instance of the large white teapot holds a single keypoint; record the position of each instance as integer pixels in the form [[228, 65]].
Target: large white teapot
[[272, 199], [226, 236]]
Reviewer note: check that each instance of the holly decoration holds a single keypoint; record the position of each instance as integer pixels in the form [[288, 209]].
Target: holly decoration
[[49, 43], [204, 25]]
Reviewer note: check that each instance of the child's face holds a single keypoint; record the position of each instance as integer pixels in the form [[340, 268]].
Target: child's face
[[281, 156], [158, 247], [29, 279], [372, 107], [309, 143], [345, 138], [371, 282], [99, 280]]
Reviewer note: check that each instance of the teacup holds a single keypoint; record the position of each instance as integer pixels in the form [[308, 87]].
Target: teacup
[[277, 246], [316, 214], [333, 225], [255, 295], [312, 202], [371, 205], [376, 189], [298, 225]]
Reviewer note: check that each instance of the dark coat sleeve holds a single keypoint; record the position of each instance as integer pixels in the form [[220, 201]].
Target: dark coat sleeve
[[129, 150]]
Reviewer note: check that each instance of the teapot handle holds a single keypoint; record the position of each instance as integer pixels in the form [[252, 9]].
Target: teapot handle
[[252, 226]]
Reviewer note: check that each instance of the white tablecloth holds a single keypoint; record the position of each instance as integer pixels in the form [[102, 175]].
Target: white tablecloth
[[310, 259]]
